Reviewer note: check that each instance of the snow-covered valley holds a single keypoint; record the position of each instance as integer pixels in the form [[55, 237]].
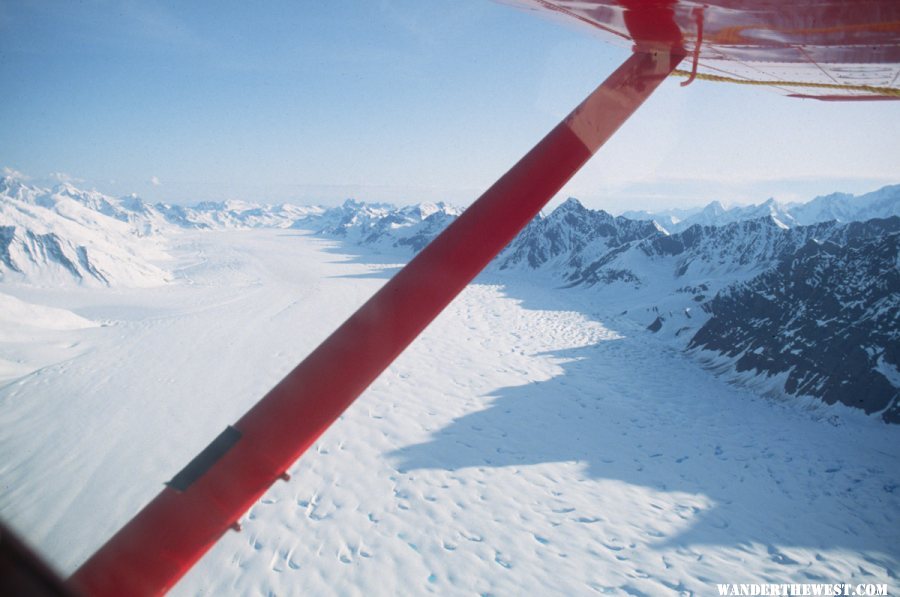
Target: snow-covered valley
[[530, 441]]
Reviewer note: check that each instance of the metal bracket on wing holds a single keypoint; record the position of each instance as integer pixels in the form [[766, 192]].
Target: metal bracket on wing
[[698, 16]]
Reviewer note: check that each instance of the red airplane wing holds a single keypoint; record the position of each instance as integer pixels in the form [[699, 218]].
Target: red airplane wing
[[827, 49]]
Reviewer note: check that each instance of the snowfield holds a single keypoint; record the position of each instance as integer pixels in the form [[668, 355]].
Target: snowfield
[[530, 442]]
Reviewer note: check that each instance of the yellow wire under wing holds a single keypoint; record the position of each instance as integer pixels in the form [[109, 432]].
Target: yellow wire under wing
[[879, 91]]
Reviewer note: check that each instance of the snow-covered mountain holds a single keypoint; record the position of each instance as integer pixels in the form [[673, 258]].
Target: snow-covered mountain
[[667, 218], [64, 234], [825, 294], [731, 251], [383, 226], [716, 215], [840, 207], [235, 214], [560, 242], [570, 237], [826, 319]]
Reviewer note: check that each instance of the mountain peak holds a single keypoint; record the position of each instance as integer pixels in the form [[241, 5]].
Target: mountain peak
[[351, 203], [714, 207], [67, 188], [10, 183], [571, 204], [133, 202]]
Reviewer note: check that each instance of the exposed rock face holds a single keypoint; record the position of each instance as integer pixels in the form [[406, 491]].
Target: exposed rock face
[[827, 315], [571, 237]]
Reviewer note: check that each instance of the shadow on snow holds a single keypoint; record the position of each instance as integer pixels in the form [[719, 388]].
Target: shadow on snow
[[634, 411]]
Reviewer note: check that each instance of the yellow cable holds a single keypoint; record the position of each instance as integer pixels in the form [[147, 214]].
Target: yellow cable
[[882, 91]]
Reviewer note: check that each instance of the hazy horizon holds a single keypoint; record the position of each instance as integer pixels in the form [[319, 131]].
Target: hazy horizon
[[612, 206]]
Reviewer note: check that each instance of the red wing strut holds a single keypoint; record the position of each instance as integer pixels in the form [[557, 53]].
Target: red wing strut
[[152, 551]]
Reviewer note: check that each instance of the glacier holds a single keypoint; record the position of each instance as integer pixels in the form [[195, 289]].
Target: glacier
[[537, 437]]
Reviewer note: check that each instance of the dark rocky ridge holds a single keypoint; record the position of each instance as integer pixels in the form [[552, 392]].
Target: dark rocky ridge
[[827, 315], [567, 232]]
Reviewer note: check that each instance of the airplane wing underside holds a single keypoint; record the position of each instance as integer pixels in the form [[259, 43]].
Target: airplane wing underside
[[825, 49]]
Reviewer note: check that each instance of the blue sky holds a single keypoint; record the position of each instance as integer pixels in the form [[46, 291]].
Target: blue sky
[[394, 100]]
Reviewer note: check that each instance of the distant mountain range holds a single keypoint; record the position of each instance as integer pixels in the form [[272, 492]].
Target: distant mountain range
[[381, 226], [802, 299], [839, 207]]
